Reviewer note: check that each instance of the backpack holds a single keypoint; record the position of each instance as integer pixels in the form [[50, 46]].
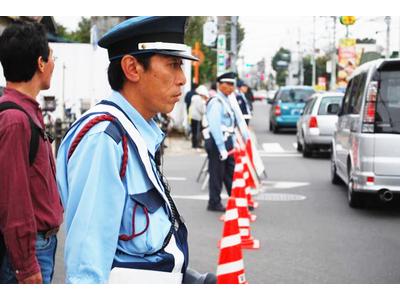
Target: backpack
[[36, 132]]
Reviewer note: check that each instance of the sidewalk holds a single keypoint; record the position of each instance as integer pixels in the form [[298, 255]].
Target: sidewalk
[[180, 145]]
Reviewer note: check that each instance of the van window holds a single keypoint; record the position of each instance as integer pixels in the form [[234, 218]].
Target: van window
[[350, 92], [387, 118], [355, 104], [323, 107]]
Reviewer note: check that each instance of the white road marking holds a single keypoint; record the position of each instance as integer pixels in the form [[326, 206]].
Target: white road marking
[[273, 148], [270, 197], [176, 178], [282, 184], [263, 154], [276, 150]]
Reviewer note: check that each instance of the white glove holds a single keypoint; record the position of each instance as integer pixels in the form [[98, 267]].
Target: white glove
[[223, 155]]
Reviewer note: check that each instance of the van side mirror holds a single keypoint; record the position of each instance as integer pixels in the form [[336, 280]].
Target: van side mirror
[[333, 109]]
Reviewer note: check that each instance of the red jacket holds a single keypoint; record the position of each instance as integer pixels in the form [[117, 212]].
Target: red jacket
[[29, 199]]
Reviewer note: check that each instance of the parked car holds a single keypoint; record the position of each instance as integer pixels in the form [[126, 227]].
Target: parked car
[[366, 144], [287, 105], [271, 94], [317, 123], [260, 95]]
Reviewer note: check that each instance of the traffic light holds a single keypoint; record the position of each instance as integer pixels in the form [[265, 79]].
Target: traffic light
[[347, 20]]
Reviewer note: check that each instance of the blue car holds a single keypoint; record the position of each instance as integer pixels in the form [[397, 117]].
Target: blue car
[[287, 106]]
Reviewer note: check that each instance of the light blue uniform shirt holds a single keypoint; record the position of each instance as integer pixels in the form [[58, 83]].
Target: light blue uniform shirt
[[98, 205], [224, 114]]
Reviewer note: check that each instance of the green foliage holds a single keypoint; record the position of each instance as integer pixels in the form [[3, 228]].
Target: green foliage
[[81, 35], [320, 69], [281, 72], [194, 33]]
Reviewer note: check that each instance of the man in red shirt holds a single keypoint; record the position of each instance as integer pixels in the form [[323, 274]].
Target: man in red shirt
[[30, 207]]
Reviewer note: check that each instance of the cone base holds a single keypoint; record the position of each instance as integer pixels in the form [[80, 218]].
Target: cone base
[[232, 278], [250, 244], [253, 218], [254, 204]]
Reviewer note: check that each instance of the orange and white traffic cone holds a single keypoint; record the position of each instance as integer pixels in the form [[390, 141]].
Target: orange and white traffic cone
[[249, 197], [248, 176], [238, 192], [230, 268]]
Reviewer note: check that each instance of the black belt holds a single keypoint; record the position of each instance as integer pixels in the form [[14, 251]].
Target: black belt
[[49, 233]]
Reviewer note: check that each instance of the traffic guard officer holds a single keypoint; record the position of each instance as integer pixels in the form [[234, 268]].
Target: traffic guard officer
[[242, 100], [122, 225], [223, 116]]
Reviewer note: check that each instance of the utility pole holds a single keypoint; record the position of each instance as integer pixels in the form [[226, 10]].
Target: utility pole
[[301, 71], [333, 61], [387, 20], [234, 21], [314, 71]]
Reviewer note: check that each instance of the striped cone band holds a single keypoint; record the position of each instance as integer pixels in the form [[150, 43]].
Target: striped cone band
[[239, 167], [239, 182], [244, 222], [244, 232], [241, 202], [246, 175], [230, 241], [231, 214], [231, 267]]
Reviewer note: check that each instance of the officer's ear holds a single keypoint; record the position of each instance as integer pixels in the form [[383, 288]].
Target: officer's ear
[[132, 68]]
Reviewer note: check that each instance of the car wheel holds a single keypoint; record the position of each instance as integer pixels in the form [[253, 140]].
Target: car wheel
[[335, 179], [274, 128], [354, 198], [306, 150], [299, 146]]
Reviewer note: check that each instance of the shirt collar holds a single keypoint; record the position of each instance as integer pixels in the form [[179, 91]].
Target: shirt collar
[[21, 96], [223, 95], [151, 133]]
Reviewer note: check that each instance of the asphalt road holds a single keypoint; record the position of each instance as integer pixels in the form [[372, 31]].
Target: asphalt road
[[307, 231]]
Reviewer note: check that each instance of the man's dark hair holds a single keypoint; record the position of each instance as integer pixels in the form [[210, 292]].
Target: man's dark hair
[[21, 44], [116, 76]]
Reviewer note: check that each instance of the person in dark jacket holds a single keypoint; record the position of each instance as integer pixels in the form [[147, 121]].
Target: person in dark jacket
[[243, 101]]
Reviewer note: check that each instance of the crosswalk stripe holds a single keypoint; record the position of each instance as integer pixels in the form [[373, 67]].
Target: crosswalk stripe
[[273, 148]]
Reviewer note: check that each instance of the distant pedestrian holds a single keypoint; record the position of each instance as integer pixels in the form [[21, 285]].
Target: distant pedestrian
[[197, 111], [243, 101], [189, 95]]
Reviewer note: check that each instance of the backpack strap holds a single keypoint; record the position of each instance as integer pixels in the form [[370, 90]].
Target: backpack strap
[[89, 125], [36, 131]]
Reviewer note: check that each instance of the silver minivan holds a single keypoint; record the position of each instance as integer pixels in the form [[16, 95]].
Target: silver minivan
[[366, 144]]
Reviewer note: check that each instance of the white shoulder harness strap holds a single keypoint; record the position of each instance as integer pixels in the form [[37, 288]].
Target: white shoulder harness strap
[[135, 137]]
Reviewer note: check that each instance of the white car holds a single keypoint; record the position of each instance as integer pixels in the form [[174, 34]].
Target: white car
[[317, 123]]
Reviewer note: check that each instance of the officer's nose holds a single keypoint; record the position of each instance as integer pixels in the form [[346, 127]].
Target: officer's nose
[[181, 78]]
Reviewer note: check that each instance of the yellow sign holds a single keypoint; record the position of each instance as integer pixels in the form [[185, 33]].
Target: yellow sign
[[347, 20]]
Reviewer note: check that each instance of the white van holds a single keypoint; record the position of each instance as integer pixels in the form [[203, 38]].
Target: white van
[[366, 143]]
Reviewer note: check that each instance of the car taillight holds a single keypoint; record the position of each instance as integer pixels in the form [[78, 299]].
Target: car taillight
[[277, 110], [370, 108], [313, 122]]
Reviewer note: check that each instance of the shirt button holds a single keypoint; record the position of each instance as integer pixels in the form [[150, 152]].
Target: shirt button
[[16, 271]]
